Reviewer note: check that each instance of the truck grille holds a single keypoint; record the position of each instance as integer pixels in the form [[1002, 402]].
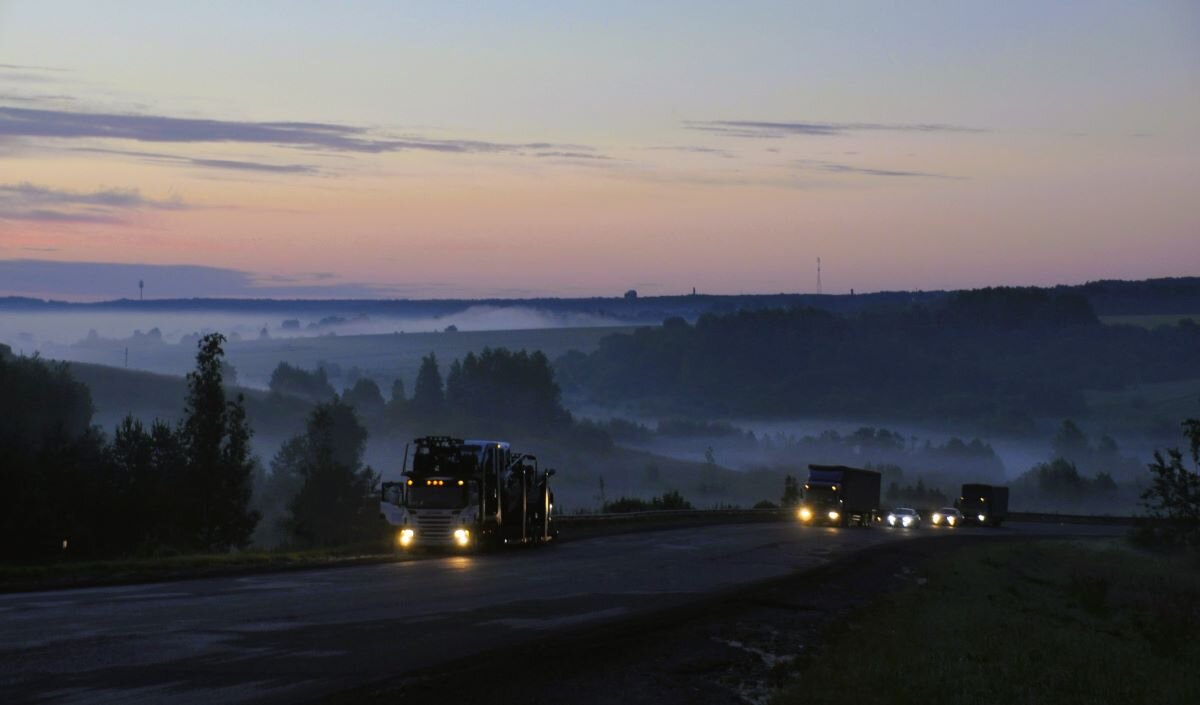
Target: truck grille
[[433, 527]]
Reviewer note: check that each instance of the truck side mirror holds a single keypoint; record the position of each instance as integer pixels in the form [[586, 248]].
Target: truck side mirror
[[550, 472]]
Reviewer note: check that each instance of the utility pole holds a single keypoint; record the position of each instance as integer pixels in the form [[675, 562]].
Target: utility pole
[[818, 275], [141, 289]]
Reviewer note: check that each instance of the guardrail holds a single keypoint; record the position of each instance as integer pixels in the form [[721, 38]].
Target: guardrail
[[677, 514], [730, 515], [1046, 518]]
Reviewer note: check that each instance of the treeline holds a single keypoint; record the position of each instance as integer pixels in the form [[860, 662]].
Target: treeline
[[163, 488], [881, 447], [69, 491], [496, 391], [1082, 472], [193, 485], [998, 356]]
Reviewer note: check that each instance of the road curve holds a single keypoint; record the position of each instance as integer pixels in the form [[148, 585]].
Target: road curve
[[294, 636]]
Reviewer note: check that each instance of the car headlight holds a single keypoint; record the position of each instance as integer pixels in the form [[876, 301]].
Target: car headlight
[[982, 517], [906, 521], [937, 518], [462, 537], [405, 538], [892, 519], [805, 514], [833, 515], [949, 520]]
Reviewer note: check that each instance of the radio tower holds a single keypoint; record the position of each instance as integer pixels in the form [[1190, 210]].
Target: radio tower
[[818, 275]]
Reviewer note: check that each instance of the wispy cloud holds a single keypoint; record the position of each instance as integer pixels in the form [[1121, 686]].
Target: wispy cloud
[[35, 203], [22, 73], [838, 168], [64, 124], [32, 67], [761, 129], [572, 155], [232, 164], [694, 149]]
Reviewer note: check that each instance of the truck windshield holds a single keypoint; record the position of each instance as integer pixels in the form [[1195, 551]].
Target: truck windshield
[[821, 494], [448, 497]]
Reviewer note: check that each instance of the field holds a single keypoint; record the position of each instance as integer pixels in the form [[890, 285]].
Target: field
[[1152, 408], [383, 357], [1152, 320], [1028, 622]]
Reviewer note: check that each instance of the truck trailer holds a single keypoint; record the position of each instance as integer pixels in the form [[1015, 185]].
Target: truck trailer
[[466, 494], [837, 495], [985, 505]]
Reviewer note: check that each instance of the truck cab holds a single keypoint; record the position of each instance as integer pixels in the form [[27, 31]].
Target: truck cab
[[985, 505], [840, 496]]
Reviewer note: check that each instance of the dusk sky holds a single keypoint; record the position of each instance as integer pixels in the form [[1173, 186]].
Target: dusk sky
[[567, 149]]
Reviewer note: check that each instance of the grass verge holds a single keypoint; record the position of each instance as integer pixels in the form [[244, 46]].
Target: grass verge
[[1021, 622]]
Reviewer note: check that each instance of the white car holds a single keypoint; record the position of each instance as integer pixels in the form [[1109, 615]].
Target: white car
[[904, 517], [947, 516]]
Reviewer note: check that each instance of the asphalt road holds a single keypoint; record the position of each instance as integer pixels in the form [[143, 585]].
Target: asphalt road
[[295, 636]]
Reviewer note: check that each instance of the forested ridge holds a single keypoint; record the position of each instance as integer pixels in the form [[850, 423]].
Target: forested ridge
[[997, 355]]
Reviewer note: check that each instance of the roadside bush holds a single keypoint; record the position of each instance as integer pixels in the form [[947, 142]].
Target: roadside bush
[[668, 500], [1172, 501]]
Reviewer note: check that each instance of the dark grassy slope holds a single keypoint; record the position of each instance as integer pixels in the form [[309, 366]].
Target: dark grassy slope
[[1020, 623]]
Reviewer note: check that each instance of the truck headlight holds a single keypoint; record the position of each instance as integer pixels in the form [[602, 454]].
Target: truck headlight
[[833, 515], [805, 514], [462, 537], [405, 538]]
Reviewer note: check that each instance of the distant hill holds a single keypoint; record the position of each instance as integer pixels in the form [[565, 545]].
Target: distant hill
[[1108, 297]]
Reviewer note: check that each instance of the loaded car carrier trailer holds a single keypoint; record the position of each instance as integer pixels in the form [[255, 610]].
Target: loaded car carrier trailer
[[465, 494]]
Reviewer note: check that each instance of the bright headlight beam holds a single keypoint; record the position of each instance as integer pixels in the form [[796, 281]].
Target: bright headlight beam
[[462, 537]]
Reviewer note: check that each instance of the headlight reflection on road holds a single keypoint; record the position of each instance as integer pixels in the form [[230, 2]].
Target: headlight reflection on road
[[461, 563]]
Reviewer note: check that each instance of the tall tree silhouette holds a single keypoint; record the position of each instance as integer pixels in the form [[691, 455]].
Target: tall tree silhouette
[[428, 396], [336, 501], [220, 469]]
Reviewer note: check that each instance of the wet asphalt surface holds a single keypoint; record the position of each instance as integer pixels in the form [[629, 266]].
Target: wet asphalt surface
[[301, 635]]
